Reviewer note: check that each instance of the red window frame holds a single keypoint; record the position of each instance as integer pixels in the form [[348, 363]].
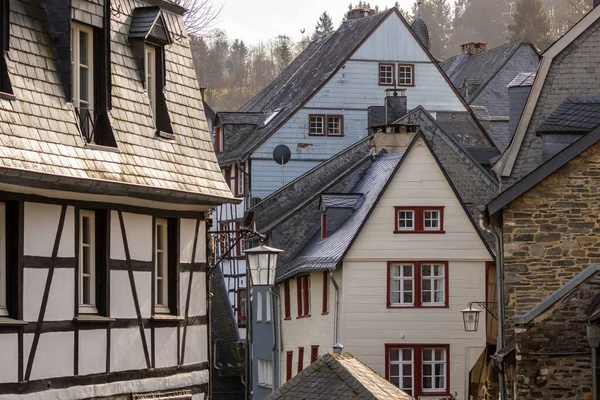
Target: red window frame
[[417, 284], [242, 317], [239, 175], [323, 225], [314, 353], [227, 174], [419, 219], [286, 298], [219, 139], [289, 356], [303, 294], [325, 308], [418, 366], [380, 71], [300, 359]]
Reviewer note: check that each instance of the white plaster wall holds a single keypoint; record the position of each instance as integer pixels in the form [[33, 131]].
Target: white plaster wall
[[117, 249], [139, 236], [126, 350], [121, 299], [198, 297], [92, 351], [143, 286], [187, 241], [41, 225], [165, 340], [34, 281], [10, 357], [54, 355], [61, 299], [195, 346]]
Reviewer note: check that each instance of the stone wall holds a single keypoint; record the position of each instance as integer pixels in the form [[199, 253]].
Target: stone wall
[[542, 371], [551, 233]]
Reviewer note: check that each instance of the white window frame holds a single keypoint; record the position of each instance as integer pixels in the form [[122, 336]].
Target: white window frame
[[402, 278], [265, 373], [433, 362], [401, 362], [239, 179], [432, 278], [437, 219], [259, 306], [161, 306], [150, 76], [76, 29], [3, 294], [412, 219], [90, 307]]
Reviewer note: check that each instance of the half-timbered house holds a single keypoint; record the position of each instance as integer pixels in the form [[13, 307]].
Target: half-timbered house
[[107, 178]]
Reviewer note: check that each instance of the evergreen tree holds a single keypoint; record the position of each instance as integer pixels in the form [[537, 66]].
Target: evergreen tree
[[324, 26], [283, 51], [438, 17], [531, 22], [404, 13]]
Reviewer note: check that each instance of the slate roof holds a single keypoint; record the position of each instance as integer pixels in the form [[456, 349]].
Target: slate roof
[[576, 114], [338, 376], [326, 253], [40, 142], [480, 67], [523, 79], [340, 200]]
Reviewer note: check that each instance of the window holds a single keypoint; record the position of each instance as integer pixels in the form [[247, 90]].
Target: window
[[259, 307], [288, 365], [314, 353], [326, 125], [219, 136], [269, 306], [82, 79], [87, 262], [161, 284], [386, 74], [242, 299], [418, 369], [417, 284], [6, 90], [150, 77], [265, 373], [286, 297], [419, 219], [325, 309], [406, 75], [300, 359], [239, 180], [303, 291]]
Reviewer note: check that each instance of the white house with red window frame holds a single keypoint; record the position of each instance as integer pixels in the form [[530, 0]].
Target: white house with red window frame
[[388, 277]]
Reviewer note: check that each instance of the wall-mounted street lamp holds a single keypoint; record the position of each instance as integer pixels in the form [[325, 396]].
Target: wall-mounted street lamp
[[471, 315]]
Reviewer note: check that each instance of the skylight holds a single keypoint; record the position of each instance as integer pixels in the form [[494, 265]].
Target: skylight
[[271, 116]]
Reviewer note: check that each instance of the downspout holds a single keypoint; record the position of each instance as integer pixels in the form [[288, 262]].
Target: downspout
[[336, 307], [499, 236], [278, 339]]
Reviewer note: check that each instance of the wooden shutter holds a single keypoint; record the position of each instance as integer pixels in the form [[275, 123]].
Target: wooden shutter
[[300, 359], [325, 309], [288, 365], [286, 295], [314, 353]]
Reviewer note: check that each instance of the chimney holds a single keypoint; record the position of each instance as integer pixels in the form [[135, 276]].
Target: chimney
[[203, 93], [474, 47], [337, 348], [359, 13], [518, 92], [395, 106]]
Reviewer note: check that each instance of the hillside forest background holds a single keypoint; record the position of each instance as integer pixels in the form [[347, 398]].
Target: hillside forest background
[[233, 71]]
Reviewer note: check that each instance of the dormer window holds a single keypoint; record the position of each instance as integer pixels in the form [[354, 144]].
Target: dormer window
[[6, 90], [82, 67], [149, 36]]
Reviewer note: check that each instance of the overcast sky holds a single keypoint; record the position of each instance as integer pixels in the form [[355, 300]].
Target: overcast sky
[[260, 20]]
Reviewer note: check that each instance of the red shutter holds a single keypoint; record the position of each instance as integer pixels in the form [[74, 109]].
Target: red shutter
[[299, 295], [306, 293], [323, 225], [236, 174], [286, 295], [288, 365], [218, 141], [228, 176], [325, 309], [314, 353], [300, 359]]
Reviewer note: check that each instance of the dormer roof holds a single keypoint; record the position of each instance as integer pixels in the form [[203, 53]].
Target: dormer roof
[[148, 23]]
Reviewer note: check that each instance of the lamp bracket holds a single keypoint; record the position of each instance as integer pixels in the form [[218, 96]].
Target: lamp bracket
[[490, 307]]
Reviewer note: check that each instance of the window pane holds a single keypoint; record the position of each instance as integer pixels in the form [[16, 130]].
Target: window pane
[[407, 369], [426, 270], [407, 355], [394, 355], [426, 382], [426, 284], [427, 355], [86, 260], [440, 382], [160, 264], [408, 297], [427, 369], [394, 380], [395, 369], [407, 383], [85, 229], [86, 290], [440, 354], [159, 292], [408, 270], [83, 48]]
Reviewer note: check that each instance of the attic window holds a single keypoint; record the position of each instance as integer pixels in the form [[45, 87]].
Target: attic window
[[6, 90], [149, 36], [271, 117]]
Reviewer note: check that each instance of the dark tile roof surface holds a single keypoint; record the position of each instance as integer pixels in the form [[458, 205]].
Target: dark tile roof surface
[[338, 376], [239, 118], [40, 133], [523, 79], [303, 77], [340, 200], [480, 67], [464, 127], [326, 253], [576, 114]]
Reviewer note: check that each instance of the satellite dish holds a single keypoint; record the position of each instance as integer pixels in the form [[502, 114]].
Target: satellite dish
[[282, 154]]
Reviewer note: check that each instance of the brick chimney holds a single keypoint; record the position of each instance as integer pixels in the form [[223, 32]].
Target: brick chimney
[[359, 13], [475, 47]]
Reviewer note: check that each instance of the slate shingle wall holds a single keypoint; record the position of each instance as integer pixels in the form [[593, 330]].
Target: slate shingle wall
[[39, 129], [574, 71]]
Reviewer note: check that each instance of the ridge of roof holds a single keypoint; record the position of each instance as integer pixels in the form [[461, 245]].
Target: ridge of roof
[[554, 297], [505, 164]]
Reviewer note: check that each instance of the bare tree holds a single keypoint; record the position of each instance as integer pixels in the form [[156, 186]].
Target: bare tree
[[200, 15]]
